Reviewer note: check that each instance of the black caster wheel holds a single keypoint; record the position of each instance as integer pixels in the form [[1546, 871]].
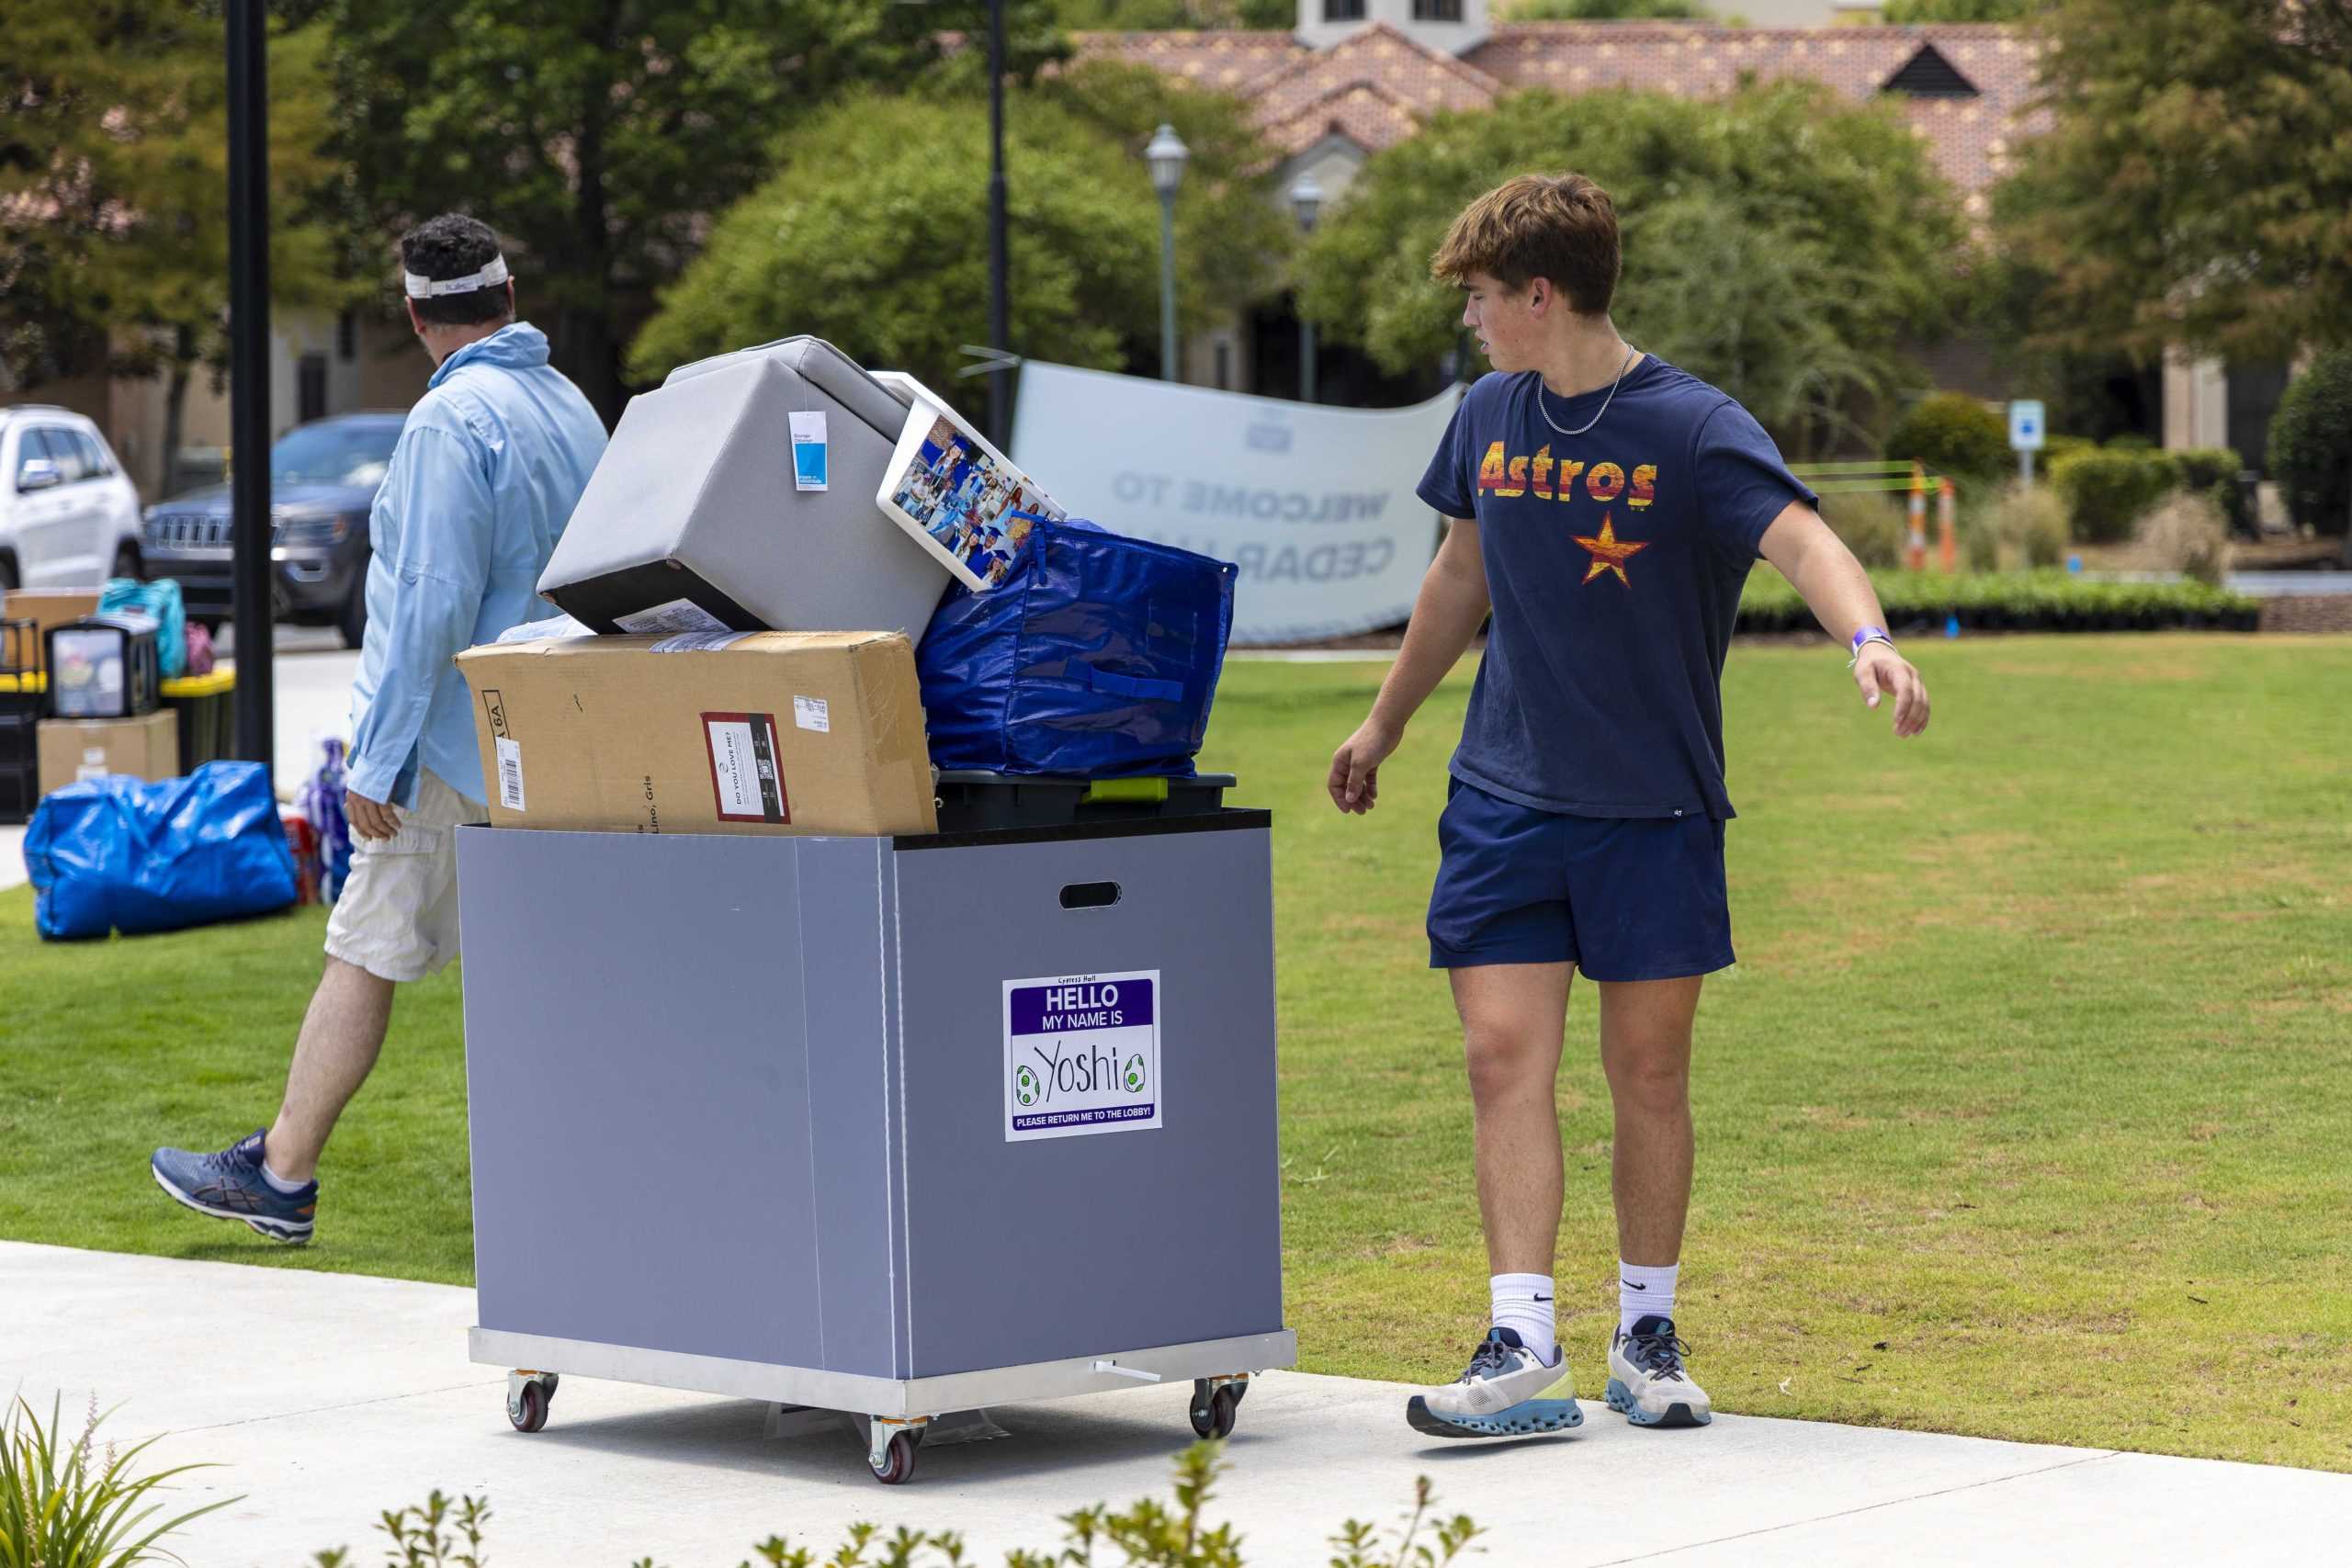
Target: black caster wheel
[[529, 1408], [898, 1466], [1213, 1410]]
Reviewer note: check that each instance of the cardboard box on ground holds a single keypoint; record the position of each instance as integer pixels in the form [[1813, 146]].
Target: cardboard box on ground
[[147, 748], [743, 732], [45, 607]]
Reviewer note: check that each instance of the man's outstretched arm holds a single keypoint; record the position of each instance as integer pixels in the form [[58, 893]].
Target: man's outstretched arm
[[1837, 590]]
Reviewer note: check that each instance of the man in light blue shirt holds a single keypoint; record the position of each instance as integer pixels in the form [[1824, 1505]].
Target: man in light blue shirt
[[489, 465]]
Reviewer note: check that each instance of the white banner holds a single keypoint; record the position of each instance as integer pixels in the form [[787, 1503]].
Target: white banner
[[1314, 505]]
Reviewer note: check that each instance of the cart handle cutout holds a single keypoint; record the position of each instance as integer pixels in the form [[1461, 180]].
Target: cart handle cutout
[[1119, 1371], [1090, 895]]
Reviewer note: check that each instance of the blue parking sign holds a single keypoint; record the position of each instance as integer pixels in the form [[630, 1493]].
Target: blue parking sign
[[2025, 425]]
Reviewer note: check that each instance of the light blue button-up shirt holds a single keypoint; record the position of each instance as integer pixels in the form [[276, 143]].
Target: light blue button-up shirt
[[487, 469]]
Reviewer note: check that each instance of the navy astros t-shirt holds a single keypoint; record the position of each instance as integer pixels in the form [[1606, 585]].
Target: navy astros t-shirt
[[1615, 561]]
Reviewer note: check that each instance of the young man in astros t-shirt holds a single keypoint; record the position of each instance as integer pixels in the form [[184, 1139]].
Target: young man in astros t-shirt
[[1606, 507]]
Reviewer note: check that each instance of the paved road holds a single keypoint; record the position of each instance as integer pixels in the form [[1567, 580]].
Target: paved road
[[338, 1396]]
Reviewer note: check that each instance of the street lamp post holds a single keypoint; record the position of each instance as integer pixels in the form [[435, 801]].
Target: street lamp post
[[249, 573], [1000, 332], [1306, 201], [1166, 156]]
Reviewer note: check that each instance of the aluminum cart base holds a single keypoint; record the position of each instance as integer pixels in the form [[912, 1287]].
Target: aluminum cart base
[[748, 1118]]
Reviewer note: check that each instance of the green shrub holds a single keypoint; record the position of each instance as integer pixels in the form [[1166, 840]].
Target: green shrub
[[2311, 444], [2129, 441], [2109, 490], [2202, 468], [2030, 524], [2056, 446], [1980, 547], [2189, 535], [73, 1507], [1873, 527], [1951, 433], [1147, 1535], [1920, 601]]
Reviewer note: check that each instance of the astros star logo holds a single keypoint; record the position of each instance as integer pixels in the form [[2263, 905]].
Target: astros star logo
[[1610, 554]]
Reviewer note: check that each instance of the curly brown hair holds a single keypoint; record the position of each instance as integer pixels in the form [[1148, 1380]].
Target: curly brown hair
[[1562, 227]]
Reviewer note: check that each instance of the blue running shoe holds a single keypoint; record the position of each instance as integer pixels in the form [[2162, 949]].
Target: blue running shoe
[[1507, 1392], [1648, 1385], [230, 1186]]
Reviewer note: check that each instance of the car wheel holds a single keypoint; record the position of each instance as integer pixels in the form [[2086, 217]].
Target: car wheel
[[352, 619], [127, 563]]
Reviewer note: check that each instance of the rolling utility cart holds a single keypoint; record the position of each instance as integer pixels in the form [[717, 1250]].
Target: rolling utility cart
[[897, 1127]]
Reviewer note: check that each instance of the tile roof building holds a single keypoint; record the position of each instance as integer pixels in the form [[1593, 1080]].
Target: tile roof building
[[1355, 77]]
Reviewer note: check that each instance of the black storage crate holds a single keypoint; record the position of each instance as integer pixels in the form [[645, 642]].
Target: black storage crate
[[972, 801]]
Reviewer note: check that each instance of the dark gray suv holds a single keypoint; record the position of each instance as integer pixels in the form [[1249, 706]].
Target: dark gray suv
[[322, 481]]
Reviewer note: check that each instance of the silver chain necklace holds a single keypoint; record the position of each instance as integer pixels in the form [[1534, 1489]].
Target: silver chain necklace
[[1631, 354]]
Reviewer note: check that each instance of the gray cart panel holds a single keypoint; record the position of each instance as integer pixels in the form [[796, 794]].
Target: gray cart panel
[[1019, 1252], [640, 1111]]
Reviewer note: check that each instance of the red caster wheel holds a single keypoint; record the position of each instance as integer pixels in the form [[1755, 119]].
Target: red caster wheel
[[529, 1408], [898, 1465], [527, 1397]]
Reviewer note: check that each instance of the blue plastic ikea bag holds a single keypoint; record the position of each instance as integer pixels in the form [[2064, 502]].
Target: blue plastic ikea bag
[[1098, 657], [160, 599], [120, 854]]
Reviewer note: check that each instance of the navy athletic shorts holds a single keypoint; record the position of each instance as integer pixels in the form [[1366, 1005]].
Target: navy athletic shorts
[[1621, 897]]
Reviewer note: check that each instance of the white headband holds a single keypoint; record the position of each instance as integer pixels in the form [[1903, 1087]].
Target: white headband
[[423, 288]]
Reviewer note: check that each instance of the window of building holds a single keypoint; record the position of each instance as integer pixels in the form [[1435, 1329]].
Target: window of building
[[1928, 74], [347, 337], [1343, 10], [311, 387], [1437, 10]]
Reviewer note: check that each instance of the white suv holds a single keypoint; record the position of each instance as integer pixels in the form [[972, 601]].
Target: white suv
[[68, 517]]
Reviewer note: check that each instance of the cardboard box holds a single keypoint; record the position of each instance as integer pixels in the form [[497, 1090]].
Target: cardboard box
[[45, 607], [147, 748], [735, 732]]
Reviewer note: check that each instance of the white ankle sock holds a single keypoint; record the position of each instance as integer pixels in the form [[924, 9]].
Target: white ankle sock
[[288, 1188], [1643, 1291], [1522, 1303]]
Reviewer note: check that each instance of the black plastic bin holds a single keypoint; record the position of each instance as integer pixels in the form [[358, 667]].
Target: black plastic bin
[[972, 801]]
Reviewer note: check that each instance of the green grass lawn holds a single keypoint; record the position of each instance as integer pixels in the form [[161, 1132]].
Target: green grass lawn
[[2026, 1112]]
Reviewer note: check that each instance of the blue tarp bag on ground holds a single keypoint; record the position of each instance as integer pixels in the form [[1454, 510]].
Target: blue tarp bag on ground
[[160, 599], [1098, 658], [119, 853]]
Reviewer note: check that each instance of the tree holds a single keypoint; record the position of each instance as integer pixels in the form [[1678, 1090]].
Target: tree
[[1783, 242], [114, 194], [1910, 13], [870, 233], [1173, 16], [2195, 189], [2311, 444], [600, 137]]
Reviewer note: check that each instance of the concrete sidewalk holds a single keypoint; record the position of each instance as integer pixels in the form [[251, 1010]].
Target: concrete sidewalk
[[329, 1398]]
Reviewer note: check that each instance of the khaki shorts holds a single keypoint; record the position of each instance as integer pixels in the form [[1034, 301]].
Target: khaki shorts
[[398, 915]]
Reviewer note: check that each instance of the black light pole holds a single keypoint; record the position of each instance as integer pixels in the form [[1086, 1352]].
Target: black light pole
[[1306, 201], [249, 371], [1000, 375]]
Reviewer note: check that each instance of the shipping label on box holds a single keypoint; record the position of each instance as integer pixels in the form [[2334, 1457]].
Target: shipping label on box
[[688, 733], [1082, 1056]]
